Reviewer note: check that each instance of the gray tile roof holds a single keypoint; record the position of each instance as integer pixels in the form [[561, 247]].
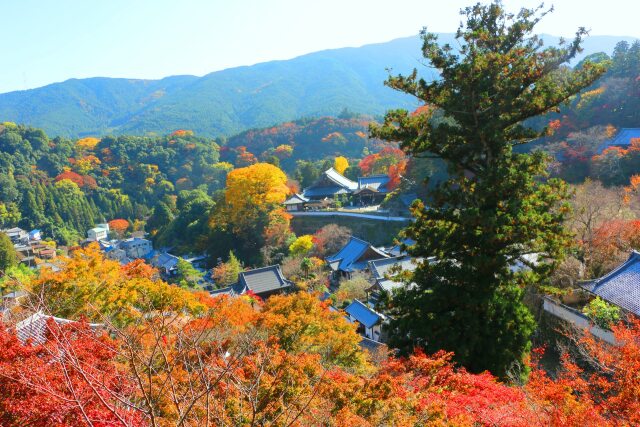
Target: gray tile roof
[[383, 271], [34, 327], [262, 280], [621, 286], [296, 199], [349, 257], [375, 182], [223, 291], [397, 249]]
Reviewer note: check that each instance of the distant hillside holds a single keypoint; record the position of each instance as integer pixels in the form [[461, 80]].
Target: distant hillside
[[306, 139], [230, 101]]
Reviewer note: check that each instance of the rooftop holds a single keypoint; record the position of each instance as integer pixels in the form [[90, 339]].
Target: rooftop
[[621, 286], [621, 139], [363, 314], [349, 257], [296, 199], [262, 280]]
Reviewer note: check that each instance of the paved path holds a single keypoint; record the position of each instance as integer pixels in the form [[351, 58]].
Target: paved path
[[351, 214]]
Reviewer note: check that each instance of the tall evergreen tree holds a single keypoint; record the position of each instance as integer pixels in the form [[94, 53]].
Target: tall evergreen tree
[[497, 209]]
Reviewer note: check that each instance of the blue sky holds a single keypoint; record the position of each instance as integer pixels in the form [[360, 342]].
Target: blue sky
[[46, 41]]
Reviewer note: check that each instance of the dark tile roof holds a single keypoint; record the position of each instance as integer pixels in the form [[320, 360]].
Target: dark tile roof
[[623, 138], [324, 191], [370, 345], [621, 286], [348, 258], [375, 182], [363, 314], [229, 290], [262, 280]]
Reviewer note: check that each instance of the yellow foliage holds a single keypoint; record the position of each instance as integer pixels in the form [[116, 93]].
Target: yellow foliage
[[88, 143], [254, 189], [90, 285], [340, 164], [301, 246]]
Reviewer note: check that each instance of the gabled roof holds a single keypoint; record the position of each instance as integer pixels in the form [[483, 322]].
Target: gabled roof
[[397, 249], [363, 314], [34, 328], [380, 267], [374, 182], [349, 257], [166, 260], [622, 138], [340, 179], [296, 199], [262, 280], [621, 286], [223, 291]]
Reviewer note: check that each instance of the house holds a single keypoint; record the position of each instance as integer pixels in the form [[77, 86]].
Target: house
[[118, 254], [47, 253], [34, 328], [622, 139], [295, 203], [371, 189], [330, 184], [369, 321], [353, 257], [397, 249], [382, 272], [136, 247], [98, 233], [17, 235], [263, 282], [35, 235], [166, 263], [620, 287]]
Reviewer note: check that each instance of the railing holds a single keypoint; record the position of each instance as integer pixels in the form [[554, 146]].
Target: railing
[[350, 214], [577, 319]]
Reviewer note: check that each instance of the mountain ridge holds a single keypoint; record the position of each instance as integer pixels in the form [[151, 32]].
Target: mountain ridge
[[232, 100]]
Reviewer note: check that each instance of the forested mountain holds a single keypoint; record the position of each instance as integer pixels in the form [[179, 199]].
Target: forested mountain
[[230, 101], [65, 187]]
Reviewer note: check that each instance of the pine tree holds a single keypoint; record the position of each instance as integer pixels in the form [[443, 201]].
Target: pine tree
[[497, 208]]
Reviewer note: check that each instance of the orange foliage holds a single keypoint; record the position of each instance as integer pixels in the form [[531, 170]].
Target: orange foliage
[[423, 109], [119, 225], [182, 132], [332, 136], [380, 162], [283, 151], [245, 158], [361, 134]]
